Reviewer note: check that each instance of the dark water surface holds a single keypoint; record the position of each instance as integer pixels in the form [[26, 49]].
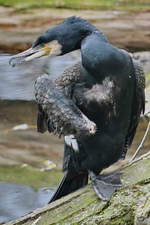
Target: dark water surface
[[18, 200]]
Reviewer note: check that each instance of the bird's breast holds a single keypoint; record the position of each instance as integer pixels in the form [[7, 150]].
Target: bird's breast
[[97, 100]]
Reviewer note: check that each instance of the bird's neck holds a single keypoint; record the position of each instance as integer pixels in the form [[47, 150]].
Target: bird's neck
[[100, 58], [95, 35], [76, 34]]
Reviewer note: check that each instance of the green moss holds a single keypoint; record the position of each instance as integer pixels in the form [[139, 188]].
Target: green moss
[[147, 80], [84, 4], [139, 173], [30, 176]]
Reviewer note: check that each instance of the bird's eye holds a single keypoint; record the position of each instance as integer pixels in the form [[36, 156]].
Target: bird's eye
[[42, 45]]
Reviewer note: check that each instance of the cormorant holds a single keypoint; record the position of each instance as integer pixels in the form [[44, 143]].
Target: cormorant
[[97, 102]]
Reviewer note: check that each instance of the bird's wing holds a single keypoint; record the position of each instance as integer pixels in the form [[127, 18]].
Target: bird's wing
[[57, 112], [138, 104], [69, 76]]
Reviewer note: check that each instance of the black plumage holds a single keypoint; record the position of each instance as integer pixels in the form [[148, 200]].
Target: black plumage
[[107, 87]]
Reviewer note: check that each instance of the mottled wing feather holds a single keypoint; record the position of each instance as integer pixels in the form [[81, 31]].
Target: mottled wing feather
[[41, 120], [138, 105], [56, 111], [69, 76], [140, 88]]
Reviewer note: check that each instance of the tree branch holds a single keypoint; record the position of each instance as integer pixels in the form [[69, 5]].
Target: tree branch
[[129, 205]]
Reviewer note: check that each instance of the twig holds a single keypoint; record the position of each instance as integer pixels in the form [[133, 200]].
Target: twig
[[36, 221], [142, 143]]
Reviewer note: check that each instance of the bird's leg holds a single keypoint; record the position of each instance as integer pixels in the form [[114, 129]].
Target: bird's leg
[[106, 184]]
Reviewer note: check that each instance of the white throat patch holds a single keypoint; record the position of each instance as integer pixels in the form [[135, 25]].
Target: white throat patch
[[55, 48]]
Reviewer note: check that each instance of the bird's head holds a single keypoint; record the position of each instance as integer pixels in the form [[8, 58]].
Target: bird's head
[[59, 40]]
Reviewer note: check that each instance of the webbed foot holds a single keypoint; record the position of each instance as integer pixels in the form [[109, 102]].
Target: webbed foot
[[106, 184]]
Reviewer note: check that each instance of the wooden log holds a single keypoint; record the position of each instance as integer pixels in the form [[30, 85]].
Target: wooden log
[[129, 205]]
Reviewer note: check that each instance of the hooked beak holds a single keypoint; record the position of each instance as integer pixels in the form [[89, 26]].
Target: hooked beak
[[28, 55]]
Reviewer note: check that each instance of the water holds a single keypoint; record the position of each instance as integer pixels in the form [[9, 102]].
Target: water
[[17, 83], [18, 200]]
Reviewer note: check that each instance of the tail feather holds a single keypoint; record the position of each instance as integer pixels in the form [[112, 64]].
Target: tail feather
[[70, 183], [41, 120]]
